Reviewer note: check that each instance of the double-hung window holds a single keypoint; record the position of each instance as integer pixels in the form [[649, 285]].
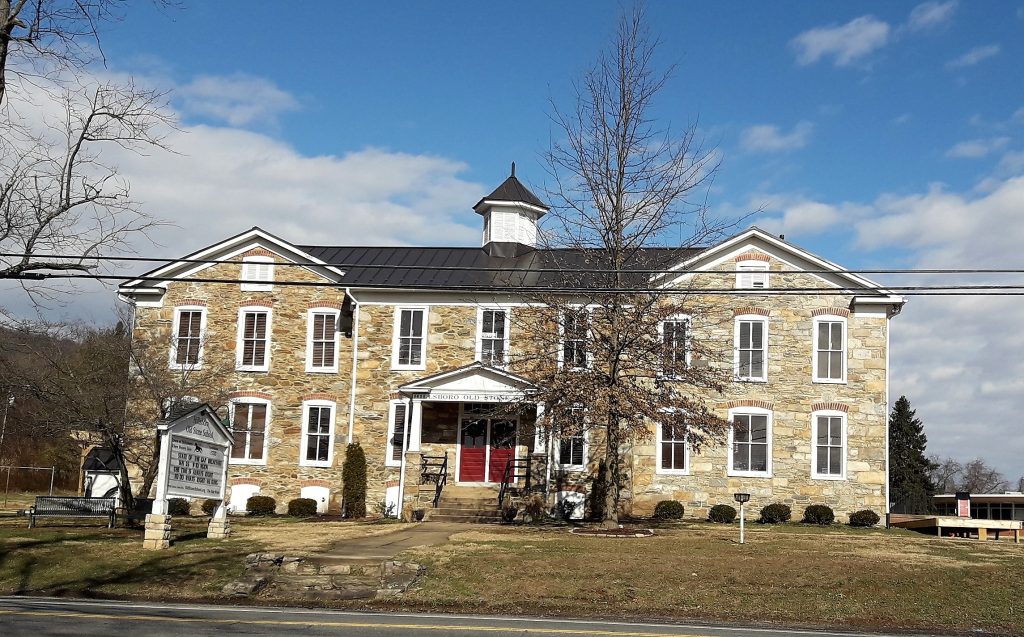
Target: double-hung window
[[492, 347], [575, 329], [750, 442], [396, 433], [829, 446], [317, 433], [249, 431], [322, 340], [254, 339], [751, 348], [572, 443], [187, 344], [257, 274], [674, 334], [829, 349], [751, 275], [410, 344], [672, 453]]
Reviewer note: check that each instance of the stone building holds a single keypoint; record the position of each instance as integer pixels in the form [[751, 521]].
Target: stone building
[[404, 350]]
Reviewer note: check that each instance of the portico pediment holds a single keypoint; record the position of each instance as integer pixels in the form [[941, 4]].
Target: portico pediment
[[472, 383]]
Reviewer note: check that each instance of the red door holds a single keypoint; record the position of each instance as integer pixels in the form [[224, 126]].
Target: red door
[[473, 455], [503, 448]]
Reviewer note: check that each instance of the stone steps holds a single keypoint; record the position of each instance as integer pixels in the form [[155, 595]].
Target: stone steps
[[325, 580]]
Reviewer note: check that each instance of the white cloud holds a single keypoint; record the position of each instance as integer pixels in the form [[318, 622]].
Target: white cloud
[[797, 216], [845, 43], [237, 100], [930, 15], [1011, 164], [974, 56], [768, 138], [977, 148]]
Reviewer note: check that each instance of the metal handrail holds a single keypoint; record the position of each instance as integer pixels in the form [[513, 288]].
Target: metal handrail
[[434, 470], [515, 469]]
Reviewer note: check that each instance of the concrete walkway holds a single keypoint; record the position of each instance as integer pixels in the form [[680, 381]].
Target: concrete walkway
[[388, 545]]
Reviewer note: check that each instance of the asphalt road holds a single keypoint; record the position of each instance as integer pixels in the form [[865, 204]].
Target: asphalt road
[[41, 617]]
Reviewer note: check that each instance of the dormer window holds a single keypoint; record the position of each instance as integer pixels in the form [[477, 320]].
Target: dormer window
[[258, 274], [751, 275]]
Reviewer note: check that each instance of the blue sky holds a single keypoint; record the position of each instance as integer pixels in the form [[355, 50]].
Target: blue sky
[[877, 134]]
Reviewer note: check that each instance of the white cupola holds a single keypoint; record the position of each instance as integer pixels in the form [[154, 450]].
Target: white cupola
[[510, 217]]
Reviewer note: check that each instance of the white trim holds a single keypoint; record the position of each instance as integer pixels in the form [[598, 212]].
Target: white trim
[[750, 411], [389, 450], [248, 273], [586, 448], [306, 404], [587, 340], [395, 365], [814, 444], [687, 350], [239, 342], [751, 269], [310, 368], [480, 335], [816, 323], [888, 407], [764, 349], [174, 337], [685, 471], [245, 400]]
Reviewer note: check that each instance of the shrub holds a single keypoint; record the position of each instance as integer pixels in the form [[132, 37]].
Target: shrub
[[722, 513], [384, 509], [668, 510], [775, 513], [534, 509], [353, 488], [302, 507], [819, 514], [867, 517], [509, 513], [260, 505], [210, 506], [178, 506]]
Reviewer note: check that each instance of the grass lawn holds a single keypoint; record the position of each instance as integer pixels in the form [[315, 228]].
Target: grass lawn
[[790, 575]]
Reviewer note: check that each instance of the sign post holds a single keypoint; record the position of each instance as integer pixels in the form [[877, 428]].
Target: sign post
[[194, 451], [742, 498]]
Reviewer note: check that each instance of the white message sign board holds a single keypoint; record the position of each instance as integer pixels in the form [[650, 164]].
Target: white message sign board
[[196, 469]]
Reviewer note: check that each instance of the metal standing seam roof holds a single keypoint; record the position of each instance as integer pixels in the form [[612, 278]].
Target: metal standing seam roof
[[513, 190]]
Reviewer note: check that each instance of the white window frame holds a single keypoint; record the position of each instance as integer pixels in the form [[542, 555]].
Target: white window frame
[[306, 405], [745, 318], [174, 337], [389, 460], [253, 284], [240, 341], [754, 271], [685, 471], [480, 334], [557, 446], [814, 444], [678, 318], [310, 314], [395, 336], [818, 320], [750, 411], [266, 428], [587, 339]]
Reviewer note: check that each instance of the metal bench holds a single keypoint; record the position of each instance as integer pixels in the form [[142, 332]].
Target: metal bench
[[48, 506]]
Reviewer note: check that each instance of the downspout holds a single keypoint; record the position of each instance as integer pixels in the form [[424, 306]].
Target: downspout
[[888, 326], [405, 446], [355, 354]]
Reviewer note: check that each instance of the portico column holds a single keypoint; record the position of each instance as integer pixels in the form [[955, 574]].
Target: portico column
[[416, 425]]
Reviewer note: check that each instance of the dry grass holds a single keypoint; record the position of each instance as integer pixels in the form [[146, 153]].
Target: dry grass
[[279, 535], [788, 575]]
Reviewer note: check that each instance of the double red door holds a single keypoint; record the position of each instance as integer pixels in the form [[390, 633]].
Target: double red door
[[486, 446]]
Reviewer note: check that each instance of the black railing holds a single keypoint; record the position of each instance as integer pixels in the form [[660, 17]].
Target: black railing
[[434, 470], [515, 469]]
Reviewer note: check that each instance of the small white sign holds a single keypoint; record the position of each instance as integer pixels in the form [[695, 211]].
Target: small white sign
[[196, 469]]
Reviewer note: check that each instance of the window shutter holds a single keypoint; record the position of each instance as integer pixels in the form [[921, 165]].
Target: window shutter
[[398, 437]]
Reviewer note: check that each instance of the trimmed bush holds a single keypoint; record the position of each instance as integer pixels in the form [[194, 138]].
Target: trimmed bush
[[819, 514], [509, 513], [864, 518], [302, 507], [775, 513], [668, 510], [210, 506], [353, 488], [722, 513], [260, 505], [178, 506]]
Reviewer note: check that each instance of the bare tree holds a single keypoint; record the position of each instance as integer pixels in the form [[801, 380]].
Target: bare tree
[[945, 474], [595, 337], [975, 476]]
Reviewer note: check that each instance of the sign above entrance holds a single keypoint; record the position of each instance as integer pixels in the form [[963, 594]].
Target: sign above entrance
[[469, 397]]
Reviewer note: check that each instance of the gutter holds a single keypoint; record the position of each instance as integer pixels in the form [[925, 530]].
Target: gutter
[[355, 353]]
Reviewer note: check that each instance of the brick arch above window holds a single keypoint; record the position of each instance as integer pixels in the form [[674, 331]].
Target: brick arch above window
[[320, 396], [196, 302], [256, 303], [753, 256], [315, 483], [831, 311], [830, 406], [750, 402], [324, 305], [259, 252], [256, 482], [250, 394], [760, 311]]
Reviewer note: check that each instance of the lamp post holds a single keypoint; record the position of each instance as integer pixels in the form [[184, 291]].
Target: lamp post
[[742, 498]]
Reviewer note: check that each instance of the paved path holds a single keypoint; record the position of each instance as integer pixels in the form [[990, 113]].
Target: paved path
[[386, 546], [43, 617]]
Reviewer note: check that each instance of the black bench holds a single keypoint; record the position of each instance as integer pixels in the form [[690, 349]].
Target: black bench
[[48, 506]]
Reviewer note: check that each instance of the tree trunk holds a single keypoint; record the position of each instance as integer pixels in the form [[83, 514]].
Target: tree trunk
[[149, 472], [611, 476]]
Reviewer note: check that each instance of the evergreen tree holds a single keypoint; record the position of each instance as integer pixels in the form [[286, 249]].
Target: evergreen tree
[[353, 488], [910, 484]]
